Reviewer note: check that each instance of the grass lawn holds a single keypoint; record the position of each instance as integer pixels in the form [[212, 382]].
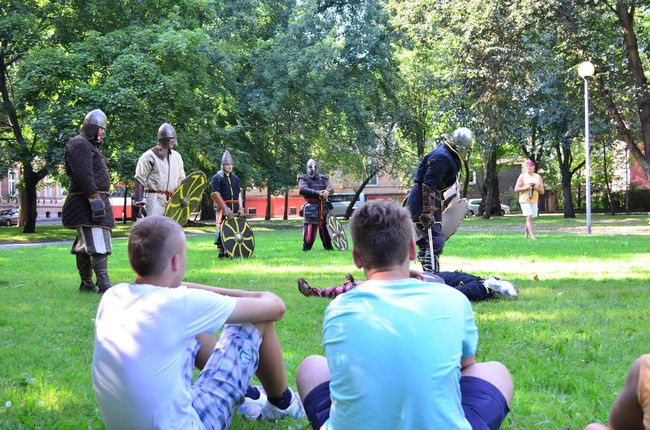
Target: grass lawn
[[581, 320]]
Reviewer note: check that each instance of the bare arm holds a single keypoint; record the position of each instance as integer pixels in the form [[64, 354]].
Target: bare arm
[[540, 186], [626, 412], [519, 186], [251, 307], [465, 362], [218, 200]]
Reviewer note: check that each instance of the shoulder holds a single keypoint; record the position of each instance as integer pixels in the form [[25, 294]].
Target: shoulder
[[324, 177], [79, 141], [302, 176], [218, 175]]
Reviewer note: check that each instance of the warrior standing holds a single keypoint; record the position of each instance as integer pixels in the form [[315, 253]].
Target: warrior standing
[[315, 188], [226, 194], [437, 172], [158, 173], [88, 207]]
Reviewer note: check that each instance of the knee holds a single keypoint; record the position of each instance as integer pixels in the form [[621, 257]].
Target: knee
[[311, 363], [595, 426]]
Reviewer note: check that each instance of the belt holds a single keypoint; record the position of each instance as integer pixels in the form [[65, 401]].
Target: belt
[[79, 193], [312, 200], [231, 201], [167, 193]]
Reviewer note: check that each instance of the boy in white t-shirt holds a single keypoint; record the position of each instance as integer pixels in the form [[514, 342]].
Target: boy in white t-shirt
[[150, 335]]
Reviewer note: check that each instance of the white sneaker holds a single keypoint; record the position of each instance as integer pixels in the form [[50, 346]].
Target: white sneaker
[[502, 287], [295, 409], [252, 408], [262, 409]]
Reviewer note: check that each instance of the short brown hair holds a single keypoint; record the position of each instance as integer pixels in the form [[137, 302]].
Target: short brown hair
[[381, 233], [153, 241]]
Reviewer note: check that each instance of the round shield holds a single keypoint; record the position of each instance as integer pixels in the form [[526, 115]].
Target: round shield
[[453, 215], [337, 233], [186, 198], [237, 237]]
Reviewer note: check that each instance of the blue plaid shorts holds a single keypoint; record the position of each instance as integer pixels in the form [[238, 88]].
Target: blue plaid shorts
[[220, 387]]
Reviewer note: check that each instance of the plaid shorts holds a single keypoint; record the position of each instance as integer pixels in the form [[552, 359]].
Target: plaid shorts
[[92, 240], [220, 387]]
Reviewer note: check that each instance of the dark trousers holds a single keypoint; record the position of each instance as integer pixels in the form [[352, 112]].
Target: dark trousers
[[470, 285]]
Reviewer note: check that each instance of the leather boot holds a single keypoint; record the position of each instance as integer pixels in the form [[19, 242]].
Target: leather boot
[[85, 268], [100, 266]]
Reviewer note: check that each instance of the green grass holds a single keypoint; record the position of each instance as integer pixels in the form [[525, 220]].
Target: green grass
[[568, 341]]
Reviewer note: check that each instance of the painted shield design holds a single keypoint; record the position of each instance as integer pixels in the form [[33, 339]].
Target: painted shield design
[[337, 233], [186, 198], [237, 237]]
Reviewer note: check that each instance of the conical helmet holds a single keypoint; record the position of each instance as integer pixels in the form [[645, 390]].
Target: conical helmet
[[166, 131], [226, 159]]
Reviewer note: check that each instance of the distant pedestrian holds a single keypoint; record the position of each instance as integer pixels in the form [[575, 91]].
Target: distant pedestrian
[[529, 186]]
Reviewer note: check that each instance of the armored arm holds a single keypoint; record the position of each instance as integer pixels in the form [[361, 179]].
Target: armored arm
[[305, 191]]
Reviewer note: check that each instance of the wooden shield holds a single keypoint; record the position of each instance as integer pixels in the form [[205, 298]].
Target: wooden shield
[[186, 198], [237, 237], [453, 215], [337, 233]]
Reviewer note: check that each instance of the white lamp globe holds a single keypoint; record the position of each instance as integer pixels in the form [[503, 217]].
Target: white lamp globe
[[586, 69]]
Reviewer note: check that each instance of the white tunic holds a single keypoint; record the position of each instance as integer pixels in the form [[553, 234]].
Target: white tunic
[[159, 174]]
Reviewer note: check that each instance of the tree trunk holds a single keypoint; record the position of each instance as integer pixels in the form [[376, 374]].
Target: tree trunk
[[28, 201], [465, 179], [357, 193], [565, 159], [608, 188], [267, 216], [207, 208], [286, 205], [567, 197], [491, 204]]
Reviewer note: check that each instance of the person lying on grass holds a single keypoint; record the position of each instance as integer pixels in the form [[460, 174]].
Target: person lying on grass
[[473, 287], [399, 351], [150, 334], [631, 408]]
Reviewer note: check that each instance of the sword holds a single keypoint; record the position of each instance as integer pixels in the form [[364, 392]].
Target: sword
[[431, 246]]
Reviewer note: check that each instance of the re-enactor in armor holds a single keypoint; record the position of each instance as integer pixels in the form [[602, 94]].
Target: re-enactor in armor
[[87, 207], [158, 173], [315, 188], [437, 172], [226, 194]]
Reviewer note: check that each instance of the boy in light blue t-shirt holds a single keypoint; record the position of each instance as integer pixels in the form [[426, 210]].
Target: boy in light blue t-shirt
[[400, 351]]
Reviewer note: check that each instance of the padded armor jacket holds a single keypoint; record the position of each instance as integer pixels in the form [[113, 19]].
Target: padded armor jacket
[[88, 172], [438, 170], [309, 186]]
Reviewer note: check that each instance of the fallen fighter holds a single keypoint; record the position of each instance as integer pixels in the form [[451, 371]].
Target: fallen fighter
[[473, 287]]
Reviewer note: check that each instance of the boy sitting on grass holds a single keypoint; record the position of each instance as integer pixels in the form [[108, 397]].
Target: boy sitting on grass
[[400, 351], [150, 334]]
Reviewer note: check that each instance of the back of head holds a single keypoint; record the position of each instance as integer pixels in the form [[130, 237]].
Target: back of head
[[92, 121], [153, 241], [381, 233]]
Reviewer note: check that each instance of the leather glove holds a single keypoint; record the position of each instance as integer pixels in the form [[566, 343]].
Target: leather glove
[[97, 207], [241, 213], [229, 213]]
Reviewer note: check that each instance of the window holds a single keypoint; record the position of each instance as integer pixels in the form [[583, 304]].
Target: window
[[374, 181], [12, 183], [252, 211], [292, 211], [47, 214]]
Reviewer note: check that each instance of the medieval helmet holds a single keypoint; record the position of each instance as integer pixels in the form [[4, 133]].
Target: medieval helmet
[[462, 138], [166, 131], [92, 122], [96, 117], [226, 159], [313, 166]]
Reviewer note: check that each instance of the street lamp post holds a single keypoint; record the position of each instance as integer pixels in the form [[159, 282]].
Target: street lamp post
[[586, 70]]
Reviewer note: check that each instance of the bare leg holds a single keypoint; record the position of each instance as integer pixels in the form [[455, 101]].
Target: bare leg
[[496, 374], [626, 412], [312, 372], [270, 371], [529, 226]]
